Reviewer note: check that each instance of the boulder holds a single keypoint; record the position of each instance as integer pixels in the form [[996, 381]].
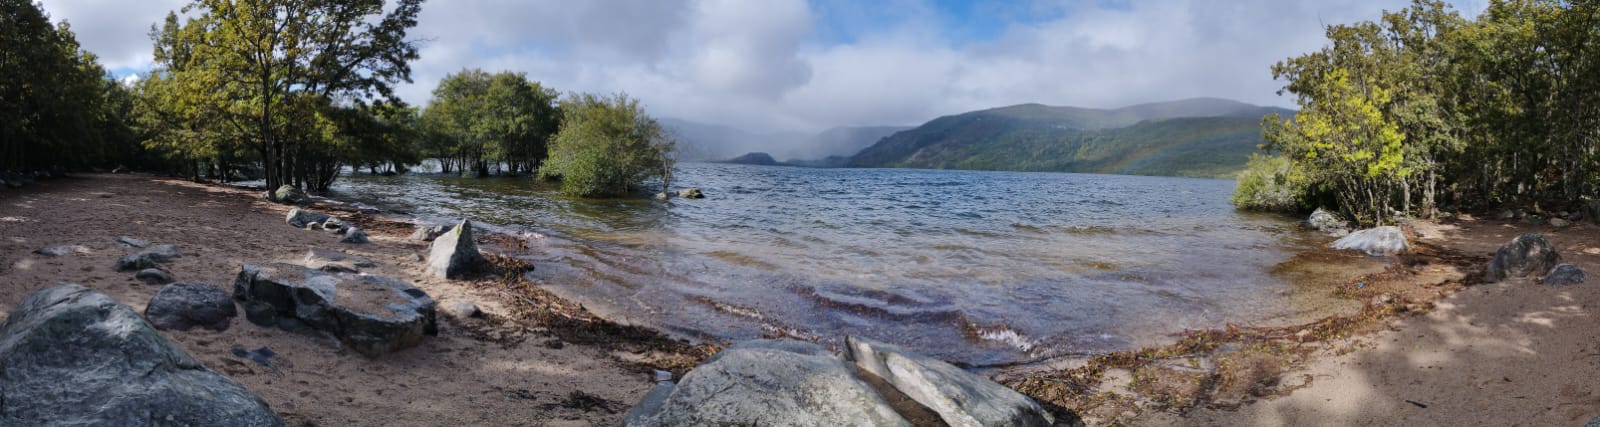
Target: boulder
[[961, 398], [454, 254], [70, 356], [333, 261], [370, 314], [1565, 274], [354, 235], [428, 233], [1380, 241], [153, 276], [183, 306], [290, 195], [130, 242], [1527, 255], [300, 218], [1559, 223], [767, 382], [334, 225], [148, 258], [691, 193], [1326, 222]]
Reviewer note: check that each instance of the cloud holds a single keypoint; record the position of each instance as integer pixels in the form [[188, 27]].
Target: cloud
[[793, 65]]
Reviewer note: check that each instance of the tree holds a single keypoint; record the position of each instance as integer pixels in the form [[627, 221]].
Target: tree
[[485, 119], [607, 146], [55, 105], [278, 71]]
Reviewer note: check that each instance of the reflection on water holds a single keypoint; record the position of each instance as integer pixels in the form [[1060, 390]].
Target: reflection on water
[[978, 267]]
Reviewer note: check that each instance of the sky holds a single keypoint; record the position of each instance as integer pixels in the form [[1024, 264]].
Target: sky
[[804, 66]]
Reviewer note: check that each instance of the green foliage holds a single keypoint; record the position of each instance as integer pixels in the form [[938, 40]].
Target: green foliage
[[607, 146], [477, 118], [1500, 110], [57, 109], [1268, 184]]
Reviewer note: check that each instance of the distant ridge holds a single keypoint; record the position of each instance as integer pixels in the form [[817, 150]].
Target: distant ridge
[[1199, 137]]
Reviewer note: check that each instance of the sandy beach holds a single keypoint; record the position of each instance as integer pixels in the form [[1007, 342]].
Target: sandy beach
[[1510, 353]]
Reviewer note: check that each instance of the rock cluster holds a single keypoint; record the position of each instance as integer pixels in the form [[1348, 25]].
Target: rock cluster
[[73, 356], [371, 315], [785, 382], [148, 258], [301, 218]]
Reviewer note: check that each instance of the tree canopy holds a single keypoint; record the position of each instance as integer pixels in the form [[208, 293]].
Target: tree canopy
[[57, 107], [478, 118], [607, 146]]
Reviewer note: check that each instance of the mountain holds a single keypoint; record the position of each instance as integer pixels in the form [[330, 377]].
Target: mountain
[[1202, 137], [756, 158], [843, 141], [708, 142]]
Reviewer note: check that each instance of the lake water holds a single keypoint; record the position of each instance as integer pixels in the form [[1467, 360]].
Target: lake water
[[983, 268]]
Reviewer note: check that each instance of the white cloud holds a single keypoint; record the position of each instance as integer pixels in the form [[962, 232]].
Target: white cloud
[[782, 65]]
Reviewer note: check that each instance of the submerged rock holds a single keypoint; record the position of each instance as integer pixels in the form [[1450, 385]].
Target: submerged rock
[[300, 218], [1527, 255], [454, 254], [70, 356], [370, 314], [961, 398], [1566, 274], [149, 258], [1380, 241], [691, 193], [183, 306], [767, 382]]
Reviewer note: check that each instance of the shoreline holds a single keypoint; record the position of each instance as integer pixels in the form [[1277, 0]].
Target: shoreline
[[583, 359]]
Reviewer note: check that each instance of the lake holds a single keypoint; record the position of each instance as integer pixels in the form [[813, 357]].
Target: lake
[[981, 268]]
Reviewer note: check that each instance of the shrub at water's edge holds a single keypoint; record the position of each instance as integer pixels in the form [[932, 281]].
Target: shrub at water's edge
[[607, 146], [1267, 184]]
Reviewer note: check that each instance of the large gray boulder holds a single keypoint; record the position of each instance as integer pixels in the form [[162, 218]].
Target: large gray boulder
[[1566, 274], [1527, 255], [291, 195], [300, 218], [183, 306], [454, 254], [1380, 241], [70, 356], [961, 398], [354, 235], [767, 382], [148, 258], [371, 315]]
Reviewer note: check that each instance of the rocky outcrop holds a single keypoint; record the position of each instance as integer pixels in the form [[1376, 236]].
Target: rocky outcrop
[[454, 254], [429, 233], [1527, 255], [1566, 274], [70, 356], [961, 398], [767, 382], [1380, 241], [1327, 222], [300, 218], [333, 261], [148, 258], [371, 315], [691, 193], [290, 195], [184, 306]]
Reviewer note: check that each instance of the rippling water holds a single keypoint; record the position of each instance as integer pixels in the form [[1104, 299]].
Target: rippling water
[[978, 267]]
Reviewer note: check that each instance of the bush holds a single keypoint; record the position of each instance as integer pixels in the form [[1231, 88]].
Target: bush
[[607, 146], [1267, 184]]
